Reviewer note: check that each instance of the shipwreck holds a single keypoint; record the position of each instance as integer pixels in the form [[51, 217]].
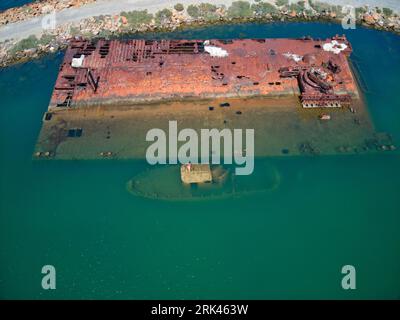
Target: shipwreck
[[133, 71], [109, 93]]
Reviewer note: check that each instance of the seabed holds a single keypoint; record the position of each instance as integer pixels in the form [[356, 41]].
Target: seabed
[[282, 128]]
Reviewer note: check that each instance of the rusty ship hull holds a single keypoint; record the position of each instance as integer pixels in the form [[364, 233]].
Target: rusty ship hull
[[133, 71], [109, 94]]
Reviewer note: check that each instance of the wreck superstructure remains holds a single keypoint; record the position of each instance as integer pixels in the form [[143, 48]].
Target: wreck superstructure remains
[[132, 71]]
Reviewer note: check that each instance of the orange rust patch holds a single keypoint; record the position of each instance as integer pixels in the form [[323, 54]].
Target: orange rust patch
[[146, 70]]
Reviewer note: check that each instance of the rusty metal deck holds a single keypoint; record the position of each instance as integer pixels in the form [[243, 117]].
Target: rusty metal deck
[[131, 71]]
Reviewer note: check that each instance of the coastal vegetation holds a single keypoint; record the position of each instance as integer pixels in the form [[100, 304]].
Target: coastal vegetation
[[179, 7], [240, 9], [163, 16], [195, 14], [281, 3], [321, 7], [205, 11], [136, 18], [263, 8], [193, 11], [298, 7], [387, 12], [25, 44], [208, 11]]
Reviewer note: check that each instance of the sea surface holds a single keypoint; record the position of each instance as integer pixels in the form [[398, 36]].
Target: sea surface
[[7, 4], [290, 242]]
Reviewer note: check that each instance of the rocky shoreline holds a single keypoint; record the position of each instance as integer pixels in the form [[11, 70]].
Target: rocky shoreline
[[37, 9], [170, 19]]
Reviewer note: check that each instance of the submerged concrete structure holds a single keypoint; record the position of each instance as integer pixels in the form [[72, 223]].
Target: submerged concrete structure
[[196, 173], [135, 71]]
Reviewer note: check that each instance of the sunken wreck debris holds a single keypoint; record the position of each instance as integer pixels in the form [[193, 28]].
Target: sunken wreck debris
[[133, 71], [110, 93]]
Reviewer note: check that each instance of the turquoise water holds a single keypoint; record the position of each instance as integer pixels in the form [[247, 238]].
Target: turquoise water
[[7, 4], [289, 243]]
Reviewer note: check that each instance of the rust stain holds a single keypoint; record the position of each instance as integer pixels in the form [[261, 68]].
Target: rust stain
[[149, 70]]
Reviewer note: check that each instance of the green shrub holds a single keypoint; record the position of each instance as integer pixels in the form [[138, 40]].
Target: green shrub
[[263, 8], [239, 9], [387, 12], [207, 11], [46, 39], [24, 44], [298, 7], [360, 11], [163, 16], [207, 7], [74, 31], [179, 7], [281, 3], [136, 18], [105, 34], [193, 11], [319, 6]]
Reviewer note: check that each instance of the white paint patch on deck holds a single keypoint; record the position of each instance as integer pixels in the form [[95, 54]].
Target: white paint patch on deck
[[293, 56], [216, 51], [334, 46]]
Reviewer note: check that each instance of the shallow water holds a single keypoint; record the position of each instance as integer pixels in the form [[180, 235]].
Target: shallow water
[[290, 243]]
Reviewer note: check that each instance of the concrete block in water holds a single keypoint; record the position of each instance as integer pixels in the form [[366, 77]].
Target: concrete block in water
[[196, 173]]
